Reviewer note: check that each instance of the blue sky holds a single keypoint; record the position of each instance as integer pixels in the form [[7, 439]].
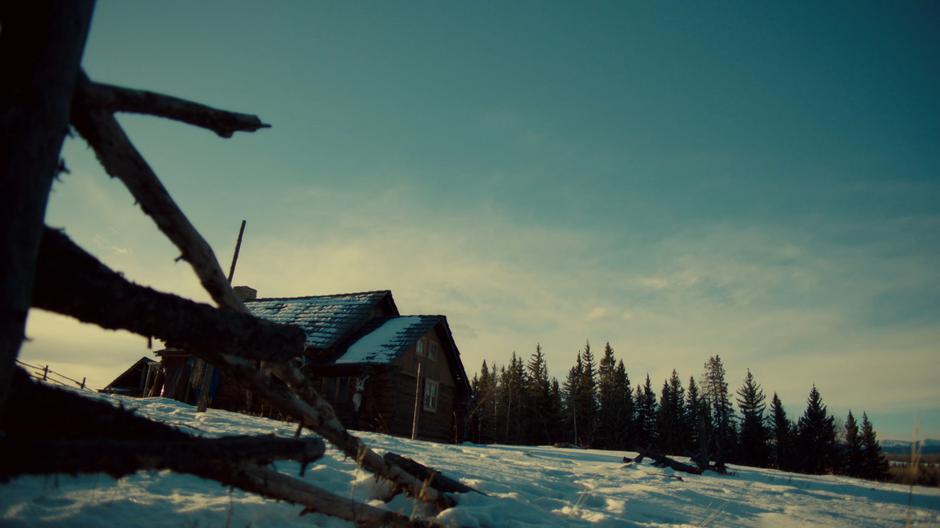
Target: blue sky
[[756, 181]]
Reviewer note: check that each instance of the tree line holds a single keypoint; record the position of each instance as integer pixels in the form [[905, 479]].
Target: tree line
[[596, 406]]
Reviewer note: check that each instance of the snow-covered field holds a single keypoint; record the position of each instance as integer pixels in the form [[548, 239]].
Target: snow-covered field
[[525, 486]]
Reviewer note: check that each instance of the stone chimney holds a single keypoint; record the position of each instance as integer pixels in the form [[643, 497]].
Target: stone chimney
[[246, 293]]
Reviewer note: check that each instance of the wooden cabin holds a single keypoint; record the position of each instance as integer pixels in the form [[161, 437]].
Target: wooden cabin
[[373, 384], [362, 356], [135, 380]]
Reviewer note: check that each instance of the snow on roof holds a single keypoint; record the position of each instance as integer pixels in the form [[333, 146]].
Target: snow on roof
[[324, 318], [386, 339]]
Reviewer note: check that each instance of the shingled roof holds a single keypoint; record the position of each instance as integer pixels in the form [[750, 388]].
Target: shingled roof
[[326, 319], [384, 340]]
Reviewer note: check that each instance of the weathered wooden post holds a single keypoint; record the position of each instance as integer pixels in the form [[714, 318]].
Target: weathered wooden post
[[83, 382], [417, 415], [45, 373]]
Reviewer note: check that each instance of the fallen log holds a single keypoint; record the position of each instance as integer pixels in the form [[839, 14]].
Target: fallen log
[[661, 460], [94, 436], [430, 475]]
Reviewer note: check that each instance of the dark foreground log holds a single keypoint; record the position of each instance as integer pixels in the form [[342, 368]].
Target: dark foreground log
[[41, 44], [98, 437], [118, 458], [430, 475], [661, 460]]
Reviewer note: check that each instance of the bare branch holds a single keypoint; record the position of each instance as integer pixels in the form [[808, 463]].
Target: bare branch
[[72, 282], [121, 160], [272, 484], [118, 99]]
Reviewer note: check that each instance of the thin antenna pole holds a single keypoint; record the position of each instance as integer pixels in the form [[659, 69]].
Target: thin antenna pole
[[208, 371], [238, 247]]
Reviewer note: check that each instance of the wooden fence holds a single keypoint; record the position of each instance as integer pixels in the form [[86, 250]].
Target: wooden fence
[[44, 373]]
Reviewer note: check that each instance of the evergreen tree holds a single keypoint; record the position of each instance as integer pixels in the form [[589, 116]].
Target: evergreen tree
[[816, 437], [538, 393], [693, 410], [715, 392], [572, 397], [853, 457], [516, 409], [624, 421], [753, 438], [671, 437], [587, 401], [645, 415], [781, 454], [483, 413], [875, 467], [556, 417], [609, 409]]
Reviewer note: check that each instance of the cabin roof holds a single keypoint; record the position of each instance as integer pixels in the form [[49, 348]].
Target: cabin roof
[[385, 339], [129, 377], [326, 319]]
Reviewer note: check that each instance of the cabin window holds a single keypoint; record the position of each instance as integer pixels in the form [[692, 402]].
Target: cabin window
[[430, 395], [419, 348], [433, 351]]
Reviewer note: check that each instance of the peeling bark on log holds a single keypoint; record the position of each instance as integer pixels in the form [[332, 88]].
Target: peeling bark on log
[[41, 46], [72, 282]]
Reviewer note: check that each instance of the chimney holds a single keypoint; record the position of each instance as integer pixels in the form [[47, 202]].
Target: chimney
[[246, 293]]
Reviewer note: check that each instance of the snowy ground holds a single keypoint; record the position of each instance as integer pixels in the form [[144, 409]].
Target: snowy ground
[[525, 486]]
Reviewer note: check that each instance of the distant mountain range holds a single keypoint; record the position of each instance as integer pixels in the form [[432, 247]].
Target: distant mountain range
[[930, 446]]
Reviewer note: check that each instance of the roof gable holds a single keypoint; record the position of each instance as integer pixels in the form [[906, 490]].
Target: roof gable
[[326, 319], [384, 340]]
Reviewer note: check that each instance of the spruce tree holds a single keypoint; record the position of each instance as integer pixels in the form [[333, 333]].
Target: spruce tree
[[853, 458], [556, 416], [875, 467], [539, 399], [670, 437], [645, 415], [625, 420], [484, 410], [572, 392], [693, 408], [587, 400], [715, 392], [609, 404], [782, 436], [753, 438], [816, 437]]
